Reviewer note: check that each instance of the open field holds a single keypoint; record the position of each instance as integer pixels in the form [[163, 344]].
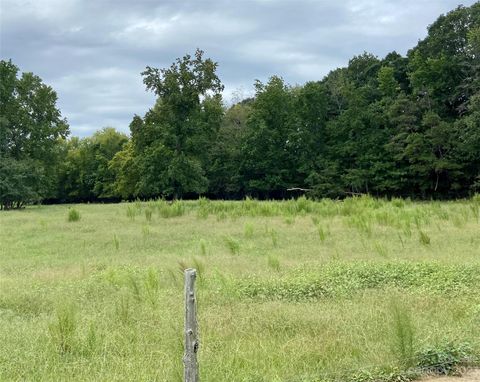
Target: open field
[[354, 290]]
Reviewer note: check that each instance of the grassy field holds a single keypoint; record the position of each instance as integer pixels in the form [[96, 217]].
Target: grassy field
[[353, 290]]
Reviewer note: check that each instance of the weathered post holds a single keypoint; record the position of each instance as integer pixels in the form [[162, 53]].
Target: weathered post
[[190, 373]]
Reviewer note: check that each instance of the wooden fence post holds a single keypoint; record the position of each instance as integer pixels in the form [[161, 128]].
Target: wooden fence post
[[190, 373]]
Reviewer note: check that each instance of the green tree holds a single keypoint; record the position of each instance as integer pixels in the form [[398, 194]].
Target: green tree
[[125, 168], [224, 173], [31, 128], [268, 166], [468, 153], [170, 143], [85, 172], [386, 81], [442, 66]]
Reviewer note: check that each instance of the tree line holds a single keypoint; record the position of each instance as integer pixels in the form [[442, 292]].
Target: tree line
[[393, 126]]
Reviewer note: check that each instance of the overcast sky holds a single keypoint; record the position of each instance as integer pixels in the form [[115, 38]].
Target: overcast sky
[[92, 51]]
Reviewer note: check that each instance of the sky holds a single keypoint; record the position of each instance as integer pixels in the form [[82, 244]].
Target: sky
[[91, 52]]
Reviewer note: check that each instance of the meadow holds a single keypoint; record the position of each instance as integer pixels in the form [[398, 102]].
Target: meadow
[[362, 289]]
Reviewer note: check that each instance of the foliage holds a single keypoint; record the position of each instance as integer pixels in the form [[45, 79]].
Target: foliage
[[31, 127], [85, 173], [445, 358], [169, 142], [392, 127], [345, 280]]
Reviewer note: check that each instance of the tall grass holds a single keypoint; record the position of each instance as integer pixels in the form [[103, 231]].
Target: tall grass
[[248, 230], [62, 330], [322, 233], [131, 212], [273, 263], [203, 247], [308, 298], [148, 214], [232, 245], [403, 335], [424, 238], [73, 215], [116, 242]]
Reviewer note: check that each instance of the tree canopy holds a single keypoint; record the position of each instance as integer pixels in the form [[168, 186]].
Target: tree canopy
[[394, 126], [31, 128]]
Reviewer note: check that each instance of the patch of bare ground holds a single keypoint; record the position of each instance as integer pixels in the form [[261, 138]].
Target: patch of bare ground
[[467, 376]]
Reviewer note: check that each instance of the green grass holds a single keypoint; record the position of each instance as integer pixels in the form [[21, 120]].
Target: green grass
[[355, 290]]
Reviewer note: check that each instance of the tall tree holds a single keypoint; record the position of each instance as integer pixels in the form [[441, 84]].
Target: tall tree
[[224, 171], [170, 141], [31, 127], [268, 166]]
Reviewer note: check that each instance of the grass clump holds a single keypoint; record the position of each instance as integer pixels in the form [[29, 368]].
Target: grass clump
[[248, 230], [73, 215], [273, 263], [173, 209], [232, 245], [148, 214], [203, 247], [424, 238], [322, 234], [273, 236], [62, 330], [116, 242], [403, 334], [152, 286], [123, 308], [131, 212], [380, 249]]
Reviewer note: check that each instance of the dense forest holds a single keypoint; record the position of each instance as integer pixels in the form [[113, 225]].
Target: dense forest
[[393, 126]]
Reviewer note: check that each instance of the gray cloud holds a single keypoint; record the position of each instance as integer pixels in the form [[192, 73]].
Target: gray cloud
[[92, 51]]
